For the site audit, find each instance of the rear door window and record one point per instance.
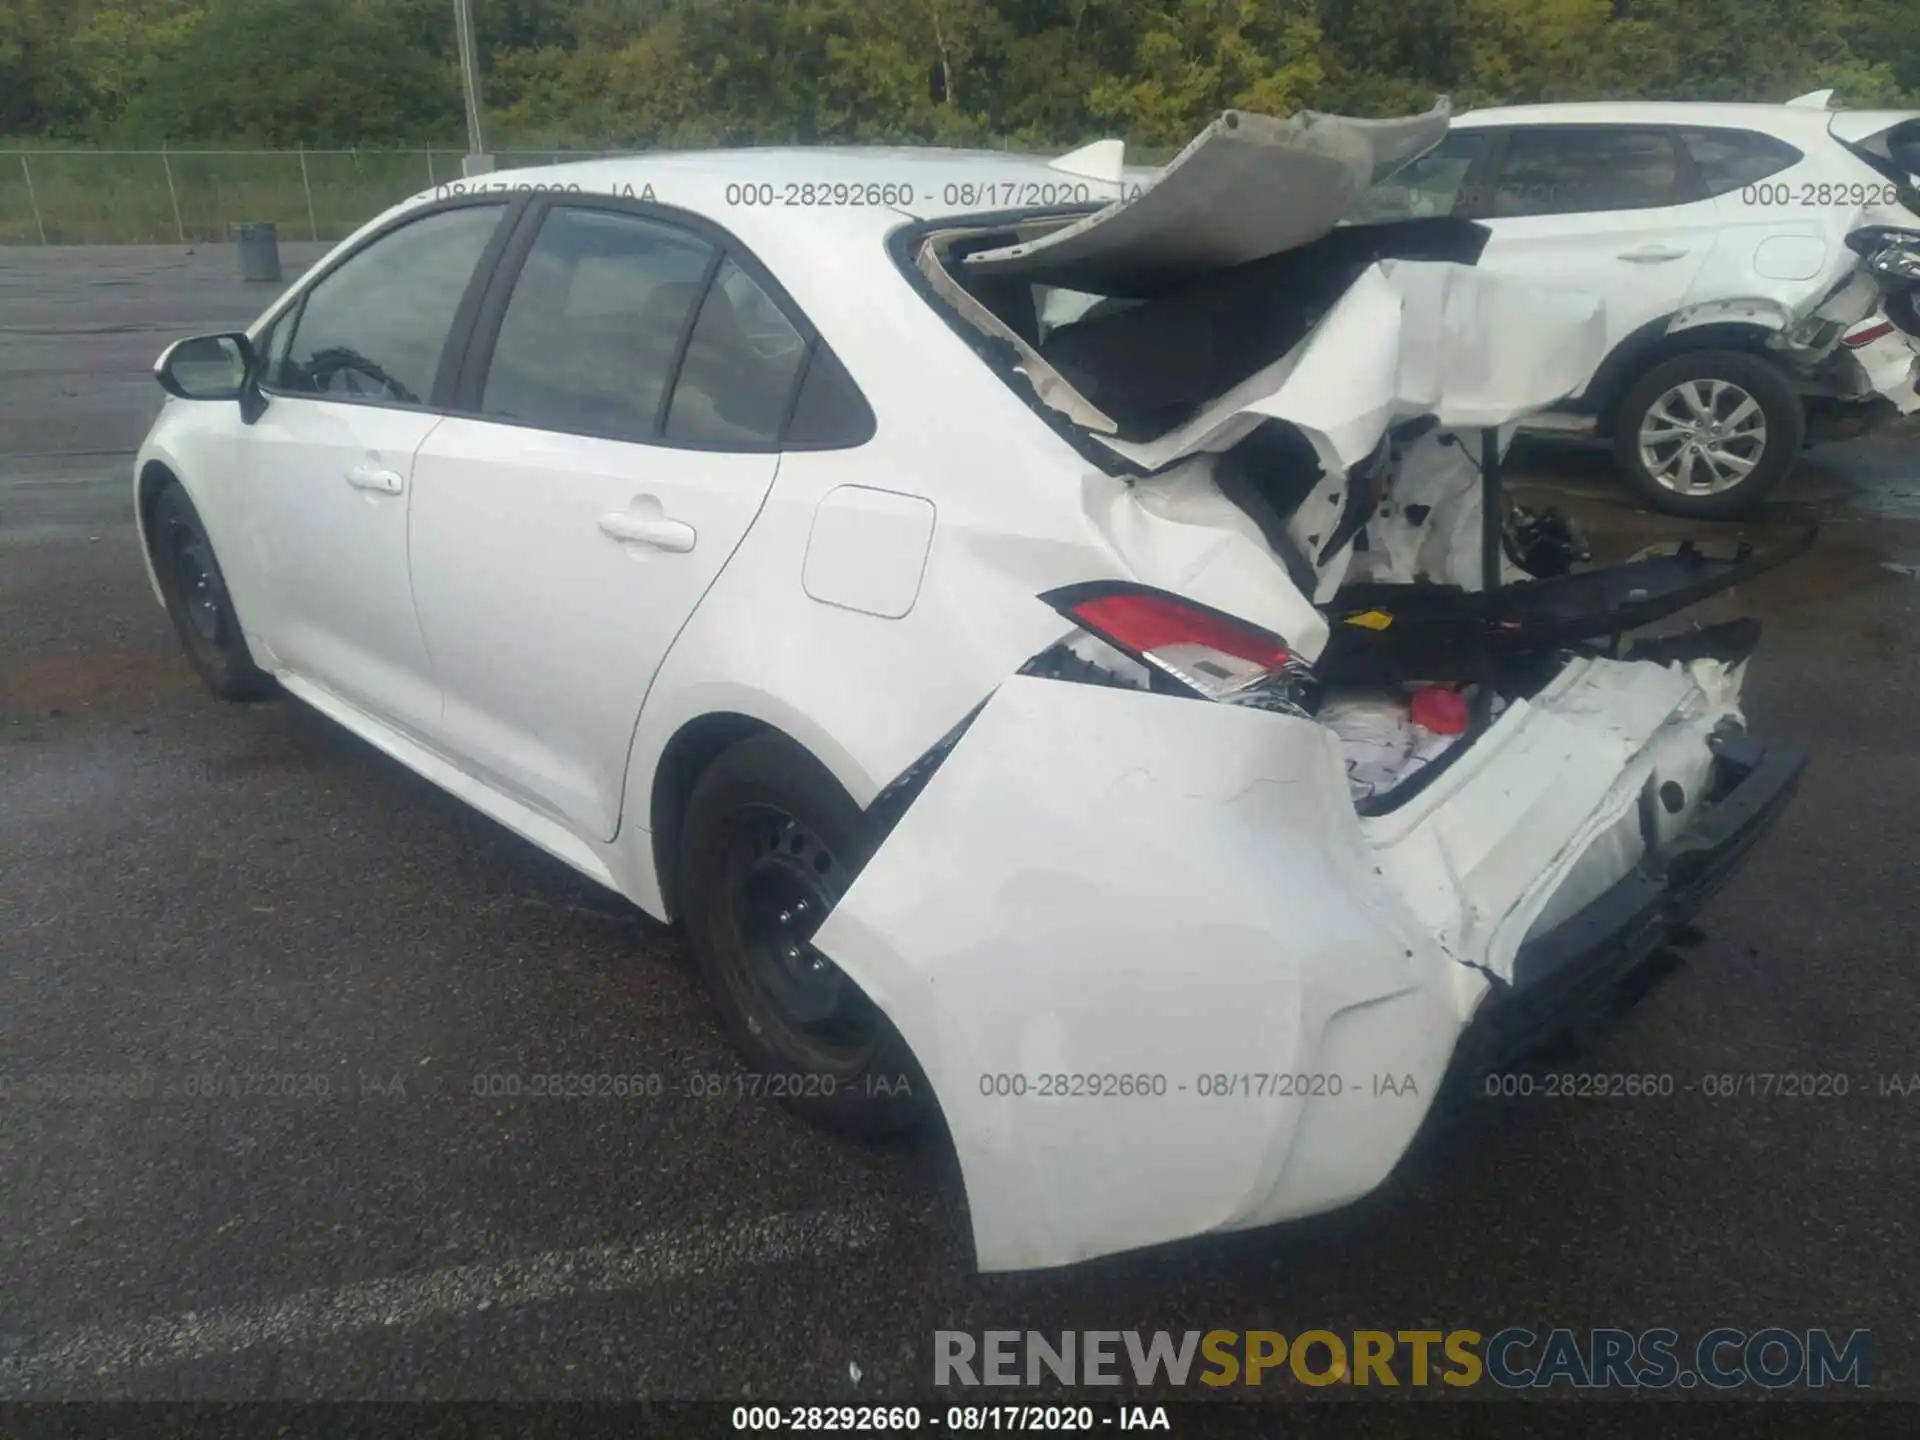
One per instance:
(1431, 185)
(598, 317)
(1728, 160)
(1580, 170)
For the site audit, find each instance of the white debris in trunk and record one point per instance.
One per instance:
(1383, 745)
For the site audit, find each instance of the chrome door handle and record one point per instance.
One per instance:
(372, 477)
(1652, 254)
(654, 530)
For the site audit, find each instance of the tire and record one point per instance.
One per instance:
(1730, 470)
(197, 599)
(770, 843)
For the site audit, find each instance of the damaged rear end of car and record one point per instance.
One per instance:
(1343, 777)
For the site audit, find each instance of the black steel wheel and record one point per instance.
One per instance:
(197, 599)
(771, 844)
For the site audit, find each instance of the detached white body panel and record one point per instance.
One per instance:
(1102, 883)
(1103, 889)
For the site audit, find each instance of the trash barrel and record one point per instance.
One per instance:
(259, 245)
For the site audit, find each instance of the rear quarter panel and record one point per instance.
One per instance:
(868, 693)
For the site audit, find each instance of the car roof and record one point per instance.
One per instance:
(796, 213)
(703, 180)
(822, 249)
(1773, 119)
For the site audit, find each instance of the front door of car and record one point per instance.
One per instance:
(349, 379)
(1602, 208)
(622, 410)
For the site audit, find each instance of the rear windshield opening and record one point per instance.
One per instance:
(1136, 367)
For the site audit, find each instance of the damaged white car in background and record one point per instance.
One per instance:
(1041, 654)
(1722, 240)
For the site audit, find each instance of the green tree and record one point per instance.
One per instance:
(1046, 72)
(41, 90)
(1198, 57)
(281, 72)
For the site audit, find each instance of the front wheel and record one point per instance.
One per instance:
(197, 599)
(771, 843)
(1708, 434)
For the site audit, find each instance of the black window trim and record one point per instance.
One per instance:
(490, 308)
(708, 279)
(1687, 186)
(292, 307)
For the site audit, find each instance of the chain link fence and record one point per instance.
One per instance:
(123, 197)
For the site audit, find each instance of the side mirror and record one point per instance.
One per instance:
(206, 367)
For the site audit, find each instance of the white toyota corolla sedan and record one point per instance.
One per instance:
(1027, 622)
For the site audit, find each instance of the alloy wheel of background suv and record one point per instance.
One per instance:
(1707, 434)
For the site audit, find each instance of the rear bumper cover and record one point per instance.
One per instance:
(1576, 971)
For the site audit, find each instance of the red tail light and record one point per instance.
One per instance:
(1867, 334)
(1204, 651)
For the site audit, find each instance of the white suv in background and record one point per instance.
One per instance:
(1739, 325)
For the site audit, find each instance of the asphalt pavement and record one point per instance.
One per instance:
(254, 977)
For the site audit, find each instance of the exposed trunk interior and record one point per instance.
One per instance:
(1151, 362)
(1443, 604)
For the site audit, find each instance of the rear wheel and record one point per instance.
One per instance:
(1707, 434)
(771, 843)
(197, 599)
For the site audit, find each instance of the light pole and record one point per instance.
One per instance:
(476, 160)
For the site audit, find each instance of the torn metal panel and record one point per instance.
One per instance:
(1408, 338)
(1182, 533)
(1152, 888)
(1248, 186)
(1429, 532)
(1483, 854)
(1890, 367)
(1809, 305)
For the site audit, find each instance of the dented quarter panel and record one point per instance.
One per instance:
(1788, 272)
(1102, 881)
(1181, 533)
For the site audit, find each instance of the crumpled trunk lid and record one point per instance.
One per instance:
(1246, 187)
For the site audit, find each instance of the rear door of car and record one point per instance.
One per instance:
(615, 430)
(1610, 209)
